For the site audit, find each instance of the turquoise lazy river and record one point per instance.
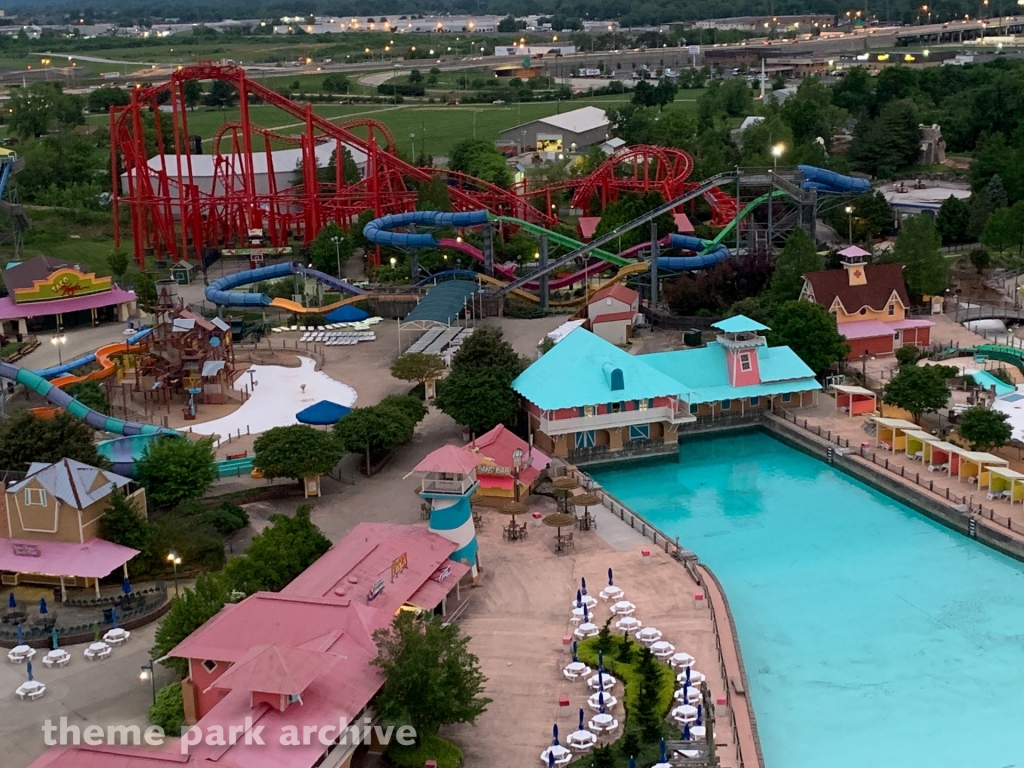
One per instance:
(870, 634)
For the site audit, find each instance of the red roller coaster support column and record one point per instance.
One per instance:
(176, 90)
(253, 216)
(115, 180)
(309, 177)
(191, 215)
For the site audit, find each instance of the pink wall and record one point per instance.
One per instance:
(203, 680)
(737, 376)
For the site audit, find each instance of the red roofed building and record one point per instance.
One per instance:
(496, 468)
(611, 311)
(296, 660)
(869, 302)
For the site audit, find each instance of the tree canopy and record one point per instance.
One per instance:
(797, 257)
(984, 428)
(431, 678)
(417, 366)
(480, 158)
(917, 248)
(296, 451)
(42, 107)
(174, 469)
(327, 255)
(809, 330)
(920, 389)
(25, 438)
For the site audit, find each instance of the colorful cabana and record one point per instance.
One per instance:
(915, 443)
(892, 432)
(975, 466)
(855, 400)
(941, 456)
(1005, 483)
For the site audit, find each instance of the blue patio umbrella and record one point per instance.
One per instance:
(554, 735)
(686, 732)
(29, 670)
(21, 636)
(600, 660)
(686, 692)
(53, 638)
(574, 647)
(687, 675)
(632, 762)
(600, 702)
(113, 616)
(579, 599)
(126, 586)
(581, 719)
(42, 605)
(583, 585)
(551, 759)
(11, 602)
(611, 583)
(600, 680)
(586, 614)
(663, 758)
(700, 719)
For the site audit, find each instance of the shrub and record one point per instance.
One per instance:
(907, 355)
(630, 676)
(169, 710)
(447, 754)
(225, 519)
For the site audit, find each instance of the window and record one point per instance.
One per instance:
(639, 432)
(745, 364)
(892, 309)
(787, 396)
(726, 405)
(694, 408)
(588, 410)
(209, 665)
(615, 407)
(585, 439)
(35, 497)
(755, 400)
(642, 404)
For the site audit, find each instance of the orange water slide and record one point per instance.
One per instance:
(107, 366)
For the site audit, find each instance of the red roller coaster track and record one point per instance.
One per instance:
(175, 211)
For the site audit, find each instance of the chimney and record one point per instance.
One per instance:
(854, 264)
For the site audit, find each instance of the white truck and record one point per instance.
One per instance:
(589, 72)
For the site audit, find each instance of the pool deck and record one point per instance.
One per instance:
(519, 614)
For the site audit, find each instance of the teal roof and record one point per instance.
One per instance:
(739, 324)
(579, 370)
(444, 303)
(704, 377)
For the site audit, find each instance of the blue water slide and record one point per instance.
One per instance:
(219, 291)
(450, 274)
(5, 175)
(708, 253)
(59, 370)
(829, 181)
(329, 280)
(379, 230)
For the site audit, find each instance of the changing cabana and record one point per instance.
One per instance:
(1005, 483)
(892, 433)
(915, 444)
(941, 456)
(855, 400)
(975, 466)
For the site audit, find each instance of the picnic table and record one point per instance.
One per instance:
(623, 608)
(575, 670)
(601, 699)
(116, 636)
(32, 689)
(628, 624)
(582, 741)
(681, 660)
(611, 592)
(97, 651)
(583, 631)
(606, 680)
(603, 723)
(684, 714)
(57, 656)
(562, 755)
(688, 695)
(20, 653)
(662, 649)
(648, 636)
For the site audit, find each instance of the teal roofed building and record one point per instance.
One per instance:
(586, 397)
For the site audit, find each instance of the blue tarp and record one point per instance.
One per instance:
(346, 314)
(324, 412)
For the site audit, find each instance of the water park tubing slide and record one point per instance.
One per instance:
(219, 291)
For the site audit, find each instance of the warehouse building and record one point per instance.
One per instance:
(574, 131)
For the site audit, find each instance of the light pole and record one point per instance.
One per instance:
(777, 151)
(148, 673)
(58, 342)
(849, 216)
(412, 141)
(174, 559)
(337, 252)
(517, 464)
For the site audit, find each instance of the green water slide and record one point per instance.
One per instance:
(561, 239)
(1000, 352)
(747, 210)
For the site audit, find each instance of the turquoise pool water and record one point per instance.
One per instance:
(871, 635)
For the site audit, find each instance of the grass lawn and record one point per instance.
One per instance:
(85, 238)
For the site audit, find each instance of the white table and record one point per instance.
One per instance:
(594, 702)
(582, 741)
(689, 754)
(698, 732)
(648, 636)
(662, 649)
(584, 631)
(562, 755)
(116, 636)
(575, 670)
(97, 651)
(623, 608)
(588, 600)
(578, 615)
(628, 624)
(607, 680)
(693, 696)
(611, 592)
(602, 722)
(33, 689)
(684, 714)
(681, 660)
(696, 678)
(20, 653)
(58, 656)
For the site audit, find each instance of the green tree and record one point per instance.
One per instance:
(327, 255)
(174, 469)
(296, 451)
(222, 94)
(433, 195)
(168, 712)
(431, 678)
(193, 94)
(374, 431)
(810, 331)
(90, 394)
(277, 555)
(480, 158)
(42, 107)
(917, 248)
(984, 428)
(798, 257)
(409, 406)
(118, 262)
(102, 99)
(919, 389)
(508, 24)
(996, 192)
(415, 76)
(123, 524)
(145, 291)
(888, 144)
(908, 354)
(810, 113)
(25, 438)
(189, 611)
(953, 220)
(335, 83)
(418, 367)
(980, 259)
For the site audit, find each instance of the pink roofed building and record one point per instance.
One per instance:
(298, 661)
(496, 470)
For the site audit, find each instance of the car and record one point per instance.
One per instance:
(498, 101)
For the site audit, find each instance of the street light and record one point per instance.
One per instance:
(412, 141)
(517, 464)
(58, 342)
(148, 673)
(849, 215)
(777, 151)
(337, 250)
(174, 559)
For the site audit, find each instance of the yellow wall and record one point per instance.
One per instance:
(842, 316)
